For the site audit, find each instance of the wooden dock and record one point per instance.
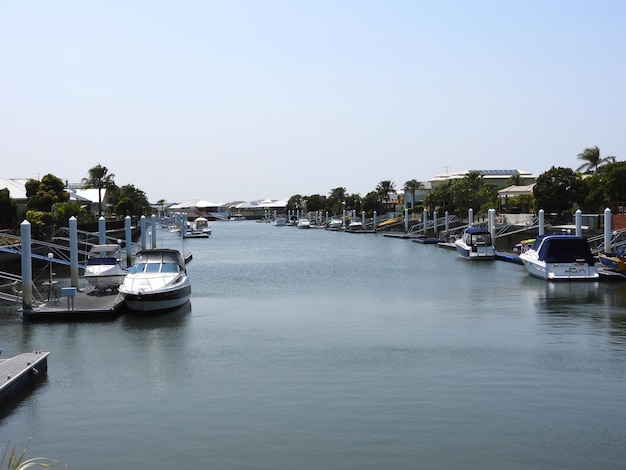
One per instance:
(19, 371)
(85, 305)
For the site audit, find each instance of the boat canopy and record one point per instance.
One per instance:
(563, 249)
(161, 256)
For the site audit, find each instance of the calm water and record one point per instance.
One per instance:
(314, 349)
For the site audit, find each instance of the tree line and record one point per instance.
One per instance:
(599, 182)
(48, 201)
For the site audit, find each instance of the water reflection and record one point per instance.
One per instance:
(597, 306)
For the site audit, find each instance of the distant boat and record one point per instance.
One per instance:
(280, 222)
(335, 224)
(613, 261)
(198, 228)
(355, 226)
(156, 282)
(475, 244)
(104, 269)
(303, 223)
(238, 217)
(560, 258)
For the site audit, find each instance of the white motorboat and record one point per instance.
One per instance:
(157, 281)
(560, 258)
(104, 267)
(475, 244)
(303, 223)
(199, 228)
(355, 226)
(280, 221)
(335, 224)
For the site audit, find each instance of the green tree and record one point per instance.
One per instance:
(440, 198)
(295, 203)
(132, 201)
(43, 195)
(8, 210)
(371, 203)
(515, 180)
(65, 210)
(315, 202)
(412, 186)
(465, 193)
(384, 190)
(99, 178)
(336, 200)
(592, 159)
(558, 190)
(614, 182)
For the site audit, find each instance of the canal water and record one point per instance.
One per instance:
(312, 349)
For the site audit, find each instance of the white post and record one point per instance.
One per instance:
(102, 230)
(27, 267)
(470, 217)
(491, 222)
(447, 221)
(607, 230)
(435, 223)
(153, 230)
(424, 220)
(73, 251)
(579, 223)
(143, 232)
(375, 221)
(129, 241)
(541, 222)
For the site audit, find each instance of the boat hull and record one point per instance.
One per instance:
(102, 282)
(154, 302)
(560, 258)
(475, 253)
(561, 271)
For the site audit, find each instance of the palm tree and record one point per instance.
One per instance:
(383, 190)
(99, 178)
(592, 159)
(412, 186)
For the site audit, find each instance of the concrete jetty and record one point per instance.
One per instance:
(18, 371)
(76, 305)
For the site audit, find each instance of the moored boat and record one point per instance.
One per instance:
(104, 269)
(303, 223)
(560, 258)
(157, 281)
(475, 244)
(613, 261)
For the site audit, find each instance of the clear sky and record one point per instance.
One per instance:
(244, 100)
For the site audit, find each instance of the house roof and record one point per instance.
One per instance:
(16, 187)
(516, 190)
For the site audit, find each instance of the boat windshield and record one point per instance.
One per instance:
(137, 268)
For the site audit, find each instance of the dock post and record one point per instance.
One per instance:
(102, 230)
(491, 222)
(579, 223)
(470, 217)
(73, 251)
(607, 230)
(363, 219)
(143, 232)
(344, 217)
(153, 230)
(447, 221)
(129, 241)
(435, 224)
(27, 267)
(424, 220)
(541, 221)
(375, 221)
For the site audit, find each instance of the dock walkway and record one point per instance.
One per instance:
(18, 371)
(87, 305)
